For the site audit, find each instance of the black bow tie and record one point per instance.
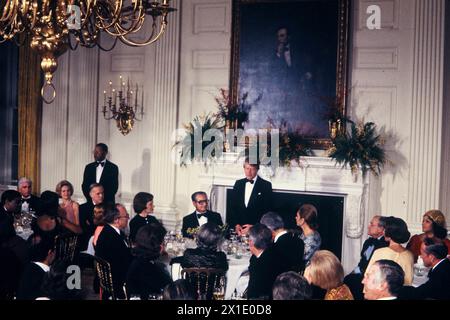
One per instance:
(100, 163)
(199, 215)
(26, 200)
(250, 180)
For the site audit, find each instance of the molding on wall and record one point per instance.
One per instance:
(427, 109)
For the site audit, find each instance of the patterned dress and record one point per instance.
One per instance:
(340, 293)
(312, 244)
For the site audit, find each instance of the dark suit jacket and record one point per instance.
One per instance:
(364, 262)
(437, 287)
(33, 202)
(191, 221)
(260, 202)
(290, 248)
(86, 216)
(263, 272)
(111, 247)
(30, 284)
(146, 277)
(109, 180)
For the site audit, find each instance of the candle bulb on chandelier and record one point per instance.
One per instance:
(110, 87)
(104, 98)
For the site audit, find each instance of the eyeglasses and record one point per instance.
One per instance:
(126, 217)
(202, 201)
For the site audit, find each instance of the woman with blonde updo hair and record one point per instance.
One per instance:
(326, 271)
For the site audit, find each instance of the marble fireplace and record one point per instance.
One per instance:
(314, 176)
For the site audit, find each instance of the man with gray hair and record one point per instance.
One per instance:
(383, 280)
(112, 245)
(376, 240)
(28, 201)
(287, 245)
(263, 268)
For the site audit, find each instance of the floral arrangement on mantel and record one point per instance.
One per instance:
(292, 145)
(203, 123)
(360, 148)
(234, 114)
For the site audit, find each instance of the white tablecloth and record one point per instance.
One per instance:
(235, 268)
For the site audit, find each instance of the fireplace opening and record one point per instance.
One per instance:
(330, 209)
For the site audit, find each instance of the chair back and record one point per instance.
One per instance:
(203, 281)
(103, 269)
(66, 247)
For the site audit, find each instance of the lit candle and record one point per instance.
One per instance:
(110, 87)
(104, 98)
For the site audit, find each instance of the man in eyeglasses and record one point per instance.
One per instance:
(103, 172)
(201, 215)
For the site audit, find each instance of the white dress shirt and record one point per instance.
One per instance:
(43, 266)
(248, 190)
(99, 171)
(279, 235)
(203, 219)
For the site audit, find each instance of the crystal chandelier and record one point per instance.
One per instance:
(122, 105)
(57, 25)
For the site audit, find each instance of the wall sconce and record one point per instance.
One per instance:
(122, 105)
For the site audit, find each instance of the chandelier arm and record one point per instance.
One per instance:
(9, 10)
(135, 26)
(106, 50)
(69, 42)
(116, 15)
(148, 41)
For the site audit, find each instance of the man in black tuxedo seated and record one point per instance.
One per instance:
(264, 267)
(103, 172)
(10, 204)
(374, 242)
(29, 202)
(251, 198)
(87, 214)
(42, 256)
(112, 246)
(383, 280)
(201, 215)
(434, 255)
(287, 245)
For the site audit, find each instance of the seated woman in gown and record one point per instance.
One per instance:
(147, 276)
(396, 233)
(326, 271)
(206, 255)
(432, 220)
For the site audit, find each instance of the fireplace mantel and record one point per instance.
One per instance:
(313, 175)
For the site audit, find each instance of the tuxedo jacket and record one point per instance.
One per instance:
(109, 180)
(33, 202)
(30, 284)
(111, 246)
(191, 221)
(260, 202)
(290, 248)
(364, 262)
(437, 287)
(263, 272)
(86, 216)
